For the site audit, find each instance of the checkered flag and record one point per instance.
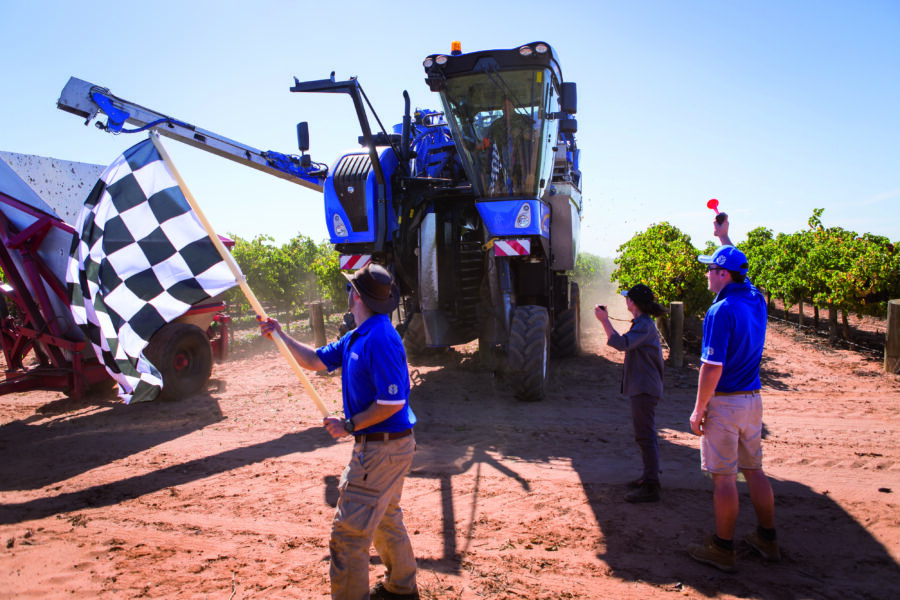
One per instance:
(496, 168)
(140, 258)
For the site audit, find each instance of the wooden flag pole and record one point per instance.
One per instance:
(236, 271)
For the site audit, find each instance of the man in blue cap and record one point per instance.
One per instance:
(728, 411)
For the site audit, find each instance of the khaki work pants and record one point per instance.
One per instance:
(368, 511)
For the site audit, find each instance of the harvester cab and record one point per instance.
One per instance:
(500, 109)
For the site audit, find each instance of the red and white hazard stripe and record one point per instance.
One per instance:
(512, 247)
(350, 262)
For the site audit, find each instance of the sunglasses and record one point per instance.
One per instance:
(349, 287)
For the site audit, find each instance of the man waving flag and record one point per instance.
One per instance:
(140, 258)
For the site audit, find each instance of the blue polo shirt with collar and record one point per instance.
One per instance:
(734, 333)
(373, 369)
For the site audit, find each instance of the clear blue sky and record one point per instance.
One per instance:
(773, 107)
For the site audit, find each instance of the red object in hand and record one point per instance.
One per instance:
(713, 204)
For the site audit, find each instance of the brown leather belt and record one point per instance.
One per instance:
(747, 393)
(383, 437)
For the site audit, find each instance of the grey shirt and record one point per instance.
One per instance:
(643, 358)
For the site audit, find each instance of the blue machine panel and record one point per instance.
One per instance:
(351, 193)
(500, 216)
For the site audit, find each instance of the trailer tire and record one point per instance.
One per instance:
(528, 349)
(182, 355)
(567, 330)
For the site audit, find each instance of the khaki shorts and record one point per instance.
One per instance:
(732, 434)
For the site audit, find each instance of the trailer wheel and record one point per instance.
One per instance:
(183, 356)
(528, 345)
(567, 330)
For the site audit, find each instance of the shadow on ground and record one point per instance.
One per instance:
(40, 452)
(641, 542)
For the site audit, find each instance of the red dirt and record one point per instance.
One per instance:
(229, 494)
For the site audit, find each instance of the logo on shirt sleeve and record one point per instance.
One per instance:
(711, 351)
(392, 389)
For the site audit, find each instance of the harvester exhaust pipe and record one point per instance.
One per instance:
(404, 139)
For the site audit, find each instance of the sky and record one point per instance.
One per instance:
(773, 107)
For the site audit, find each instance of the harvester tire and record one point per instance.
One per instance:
(528, 349)
(182, 355)
(566, 337)
(414, 337)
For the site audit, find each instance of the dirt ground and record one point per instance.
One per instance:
(229, 494)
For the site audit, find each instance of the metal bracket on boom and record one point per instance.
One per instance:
(116, 118)
(352, 88)
(87, 100)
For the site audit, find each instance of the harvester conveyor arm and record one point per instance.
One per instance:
(87, 100)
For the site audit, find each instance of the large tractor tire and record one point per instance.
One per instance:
(183, 356)
(566, 337)
(528, 349)
(414, 337)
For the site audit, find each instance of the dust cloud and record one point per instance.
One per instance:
(596, 288)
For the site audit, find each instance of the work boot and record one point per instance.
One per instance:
(379, 592)
(647, 491)
(768, 549)
(710, 553)
(636, 483)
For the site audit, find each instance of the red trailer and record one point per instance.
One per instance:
(42, 345)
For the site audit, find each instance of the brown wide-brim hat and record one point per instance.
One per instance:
(376, 287)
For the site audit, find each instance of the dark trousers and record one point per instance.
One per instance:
(643, 416)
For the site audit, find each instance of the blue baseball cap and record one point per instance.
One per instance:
(728, 258)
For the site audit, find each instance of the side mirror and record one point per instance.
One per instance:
(568, 98)
(568, 126)
(303, 136)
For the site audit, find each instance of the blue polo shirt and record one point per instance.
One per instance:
(734, 332)
(373, 369)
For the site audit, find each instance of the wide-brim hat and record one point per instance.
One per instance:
(376, 288)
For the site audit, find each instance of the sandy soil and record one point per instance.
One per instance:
(229, 494)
